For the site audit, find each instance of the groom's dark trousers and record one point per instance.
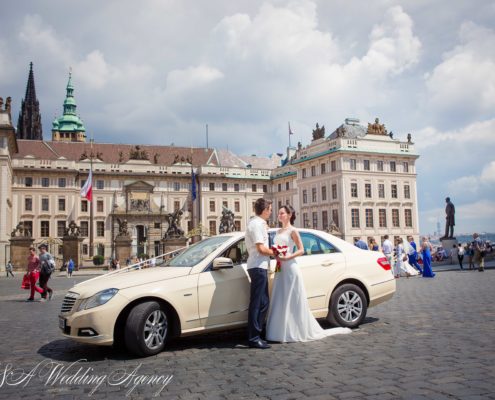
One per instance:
(258, 303)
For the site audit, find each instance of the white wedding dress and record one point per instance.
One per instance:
(289, 317)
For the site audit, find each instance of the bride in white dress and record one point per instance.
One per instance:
(289, 317)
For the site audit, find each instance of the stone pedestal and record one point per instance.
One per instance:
(171, 244)
(123, 248)
(72, 249)
(19, 251)
(448, 245)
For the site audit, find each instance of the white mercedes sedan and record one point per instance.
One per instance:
(206, 288)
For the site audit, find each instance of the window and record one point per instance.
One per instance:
(324, 219)
(304, 173)
(237, 225)
(354, 190)
(84, 228)
(225, 204)
(408, 217)
(237, 253)
(61, 204)
(393, 167)
(45, 228)
(315, 220)
(287, 185)
(224, 187)
(279, 187)
(355, 217)
(45, 204)
(45, 182)
(212, 186)
(367, 190)
(333, 166)
(313, 195)
(100, 184)
(353, 164)
(395, 217)
(407, 192)
(212, 205)
(369, 218)
(62, 182)
(254, 188)
(405, 166)
(176, 205)
(157, 225)
(305, 196)
(305, 220)
(99, 206)
(323, 193)
(28, 181)
(323, 168)
(382, 217)
(213, 228)
(334, 191)
(313, 171)
(315, 245)
(394, 191)
(379, 165)
(265, 188)
(381, 190)
(28, 204)
(237, 206)
(335, 217)
(85, 249)
(60, 228)
(100, 228)
(83, 182)
(84, 206)
(236, 187)
(366, 165)
(176, 186)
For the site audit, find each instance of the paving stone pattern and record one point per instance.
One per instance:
(433, 340)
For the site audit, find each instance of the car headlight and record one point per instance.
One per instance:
(97, 299)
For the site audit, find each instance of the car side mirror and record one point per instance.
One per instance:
(222, 263)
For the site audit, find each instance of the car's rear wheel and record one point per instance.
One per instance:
(347, 306)
(146, 329)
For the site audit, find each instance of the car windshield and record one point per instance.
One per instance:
(197, 252)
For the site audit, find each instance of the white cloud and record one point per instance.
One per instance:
(93, 70)
(488, 173)
(188, 79)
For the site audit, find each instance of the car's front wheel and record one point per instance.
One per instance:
(347, 306)
(146, 329)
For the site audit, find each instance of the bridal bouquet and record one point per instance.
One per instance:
(279, 250)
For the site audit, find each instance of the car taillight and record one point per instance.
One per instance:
(383, 262)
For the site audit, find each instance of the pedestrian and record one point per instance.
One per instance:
(400, 258)
(460, 255)
(358, 242)
(479, 252)
(413, 254)
(128, 261)
(8, 268)
(47, 266)
(470, 254)
(153, 261)
(257, 267)
(33, 271)
(426, 249)
(387, 249)
(373, 245)
(117, 264)
(70, 267)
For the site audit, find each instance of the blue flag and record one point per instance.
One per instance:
(193, 185)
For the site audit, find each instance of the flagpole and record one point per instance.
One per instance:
(91, 250)
(290, 133)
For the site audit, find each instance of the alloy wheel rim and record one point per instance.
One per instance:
(350, 306)
(155, 329)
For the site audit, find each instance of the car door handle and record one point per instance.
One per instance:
(327, 263)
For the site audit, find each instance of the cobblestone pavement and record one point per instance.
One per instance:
(433, 340)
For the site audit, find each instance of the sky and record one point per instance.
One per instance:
(158, 71)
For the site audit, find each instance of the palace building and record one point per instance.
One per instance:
(357, 181)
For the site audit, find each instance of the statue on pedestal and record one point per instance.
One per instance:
(449, 220)
(227, 221)
(72, 230)
(123, 230)
(20, 231)
(174, 230)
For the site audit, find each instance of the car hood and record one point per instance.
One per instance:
(125, 279)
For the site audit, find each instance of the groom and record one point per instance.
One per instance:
(257, 267)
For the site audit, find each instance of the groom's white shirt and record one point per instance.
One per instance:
(256, 232)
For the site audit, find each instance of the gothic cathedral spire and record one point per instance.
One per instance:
(29, 123)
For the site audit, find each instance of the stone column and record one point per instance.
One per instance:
(123, 248)
(448, 245)
(171, 244)
(72, 248)
(19, 251)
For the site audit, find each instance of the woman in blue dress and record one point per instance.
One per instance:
(426, 250)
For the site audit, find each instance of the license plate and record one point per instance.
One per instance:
(61, 323)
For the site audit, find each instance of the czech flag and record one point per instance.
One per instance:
(87, 189)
